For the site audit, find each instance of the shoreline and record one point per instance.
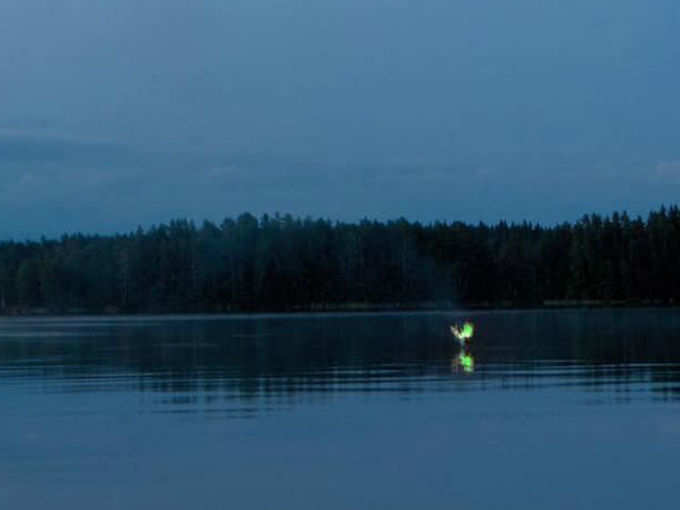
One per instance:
(352, 308)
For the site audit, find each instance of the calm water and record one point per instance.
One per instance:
(566, 409)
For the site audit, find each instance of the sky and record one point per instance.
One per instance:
(134, 112)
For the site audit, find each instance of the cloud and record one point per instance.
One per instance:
(26, 147)
(668, 171)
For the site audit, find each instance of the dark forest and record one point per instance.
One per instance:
(281, 263)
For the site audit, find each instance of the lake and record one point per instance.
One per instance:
(562, 409)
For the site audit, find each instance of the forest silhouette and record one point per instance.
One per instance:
(282, 263)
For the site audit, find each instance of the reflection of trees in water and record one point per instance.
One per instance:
(288, 359)
(250, 357)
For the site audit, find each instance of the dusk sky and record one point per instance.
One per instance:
(120, 113)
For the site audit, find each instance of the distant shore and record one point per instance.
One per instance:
(355, 307)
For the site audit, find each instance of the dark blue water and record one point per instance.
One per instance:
(564, 409)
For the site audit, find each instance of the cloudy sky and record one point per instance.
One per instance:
(114, 114)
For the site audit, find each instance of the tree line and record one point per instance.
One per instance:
(278, 263)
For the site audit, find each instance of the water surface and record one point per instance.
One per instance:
(564, 409)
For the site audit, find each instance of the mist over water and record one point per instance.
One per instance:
(175, 410)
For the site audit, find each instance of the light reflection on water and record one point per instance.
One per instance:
(265, 359)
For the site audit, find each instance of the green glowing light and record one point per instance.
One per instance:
(466, 361)
(463, 333)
